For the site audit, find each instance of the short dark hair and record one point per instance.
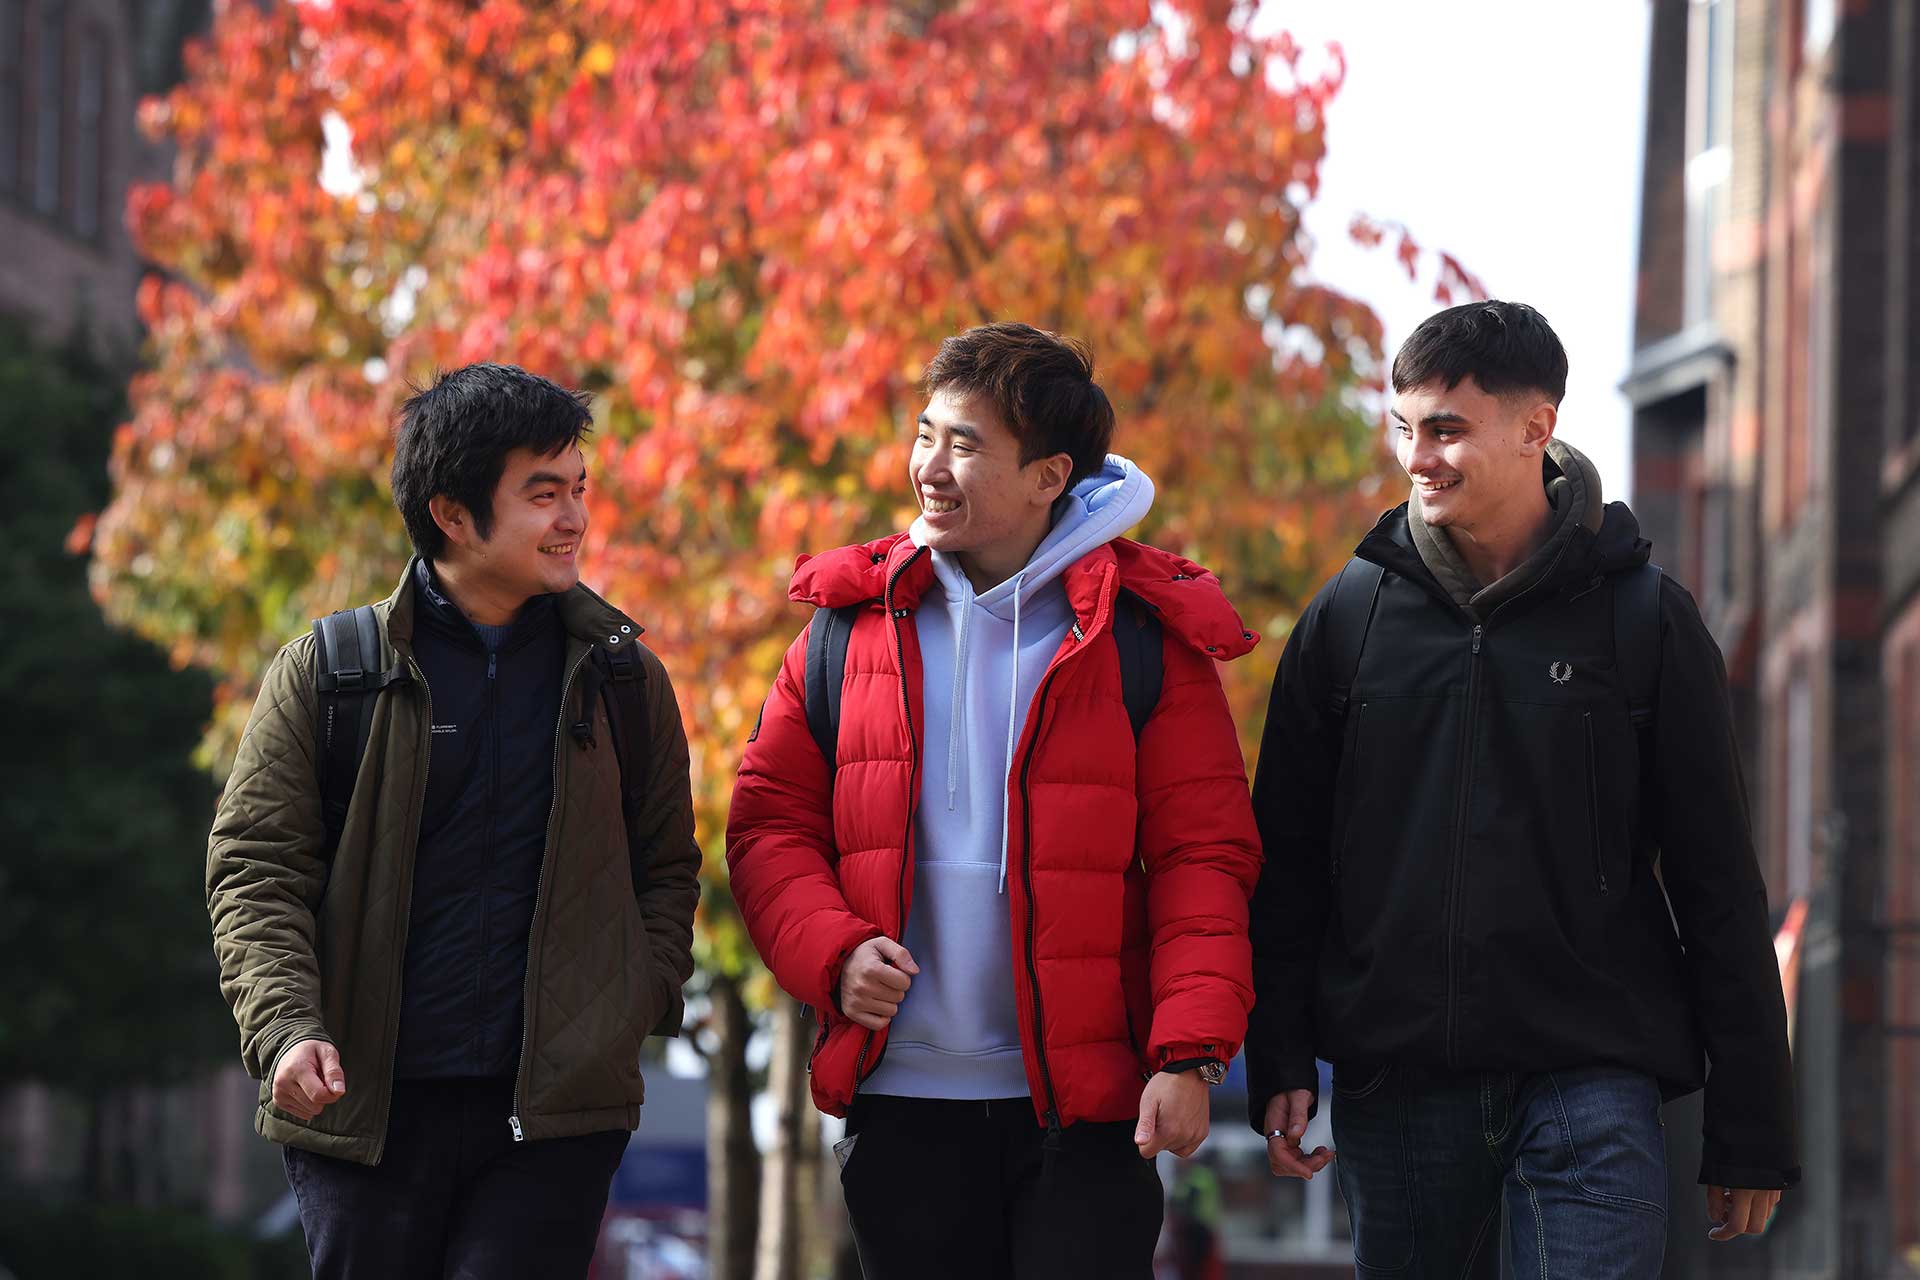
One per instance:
(1504, 346)
(1041, 384)
(455, 436)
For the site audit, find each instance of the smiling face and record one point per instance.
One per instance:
(532, 546)
(977, 500)
(1474, 458)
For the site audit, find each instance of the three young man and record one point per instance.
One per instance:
(444, 988)
(1494, 740)
(993, 826)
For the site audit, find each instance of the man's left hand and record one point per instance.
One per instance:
(1735, 1211)
(1173, 1114)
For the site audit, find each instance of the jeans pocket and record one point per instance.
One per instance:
(1615, 1144)
(1359, 1084)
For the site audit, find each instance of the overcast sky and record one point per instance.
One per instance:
(1507, 132)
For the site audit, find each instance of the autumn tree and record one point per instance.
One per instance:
(744, 224)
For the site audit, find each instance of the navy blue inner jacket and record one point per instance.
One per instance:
(482, 833)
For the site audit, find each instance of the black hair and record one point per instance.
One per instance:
(1506, 347)
(1041, 384)
(455, 436)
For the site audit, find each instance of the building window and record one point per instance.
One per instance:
(13, 43)
(49, 98)
(1709, 146)
(89, 142)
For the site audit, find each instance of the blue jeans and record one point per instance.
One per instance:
(1427, 1159)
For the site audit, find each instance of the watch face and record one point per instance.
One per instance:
(1214, 1072)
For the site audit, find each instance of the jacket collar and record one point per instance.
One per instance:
(583, 614)
(1587, 555)
(1189, 599)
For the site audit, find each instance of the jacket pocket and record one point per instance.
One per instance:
(1593, 803)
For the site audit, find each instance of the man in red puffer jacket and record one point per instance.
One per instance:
(1021, 920)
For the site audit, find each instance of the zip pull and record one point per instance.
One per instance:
(1052, 1142)
(1478, 629)
(492, 662)
(513, 1122)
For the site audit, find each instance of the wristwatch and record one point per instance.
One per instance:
(1210, 1070)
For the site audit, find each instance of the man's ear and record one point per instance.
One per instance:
(1050, 478)
(1539, 426)
(455, 521)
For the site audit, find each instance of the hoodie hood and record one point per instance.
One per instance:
(1574, 503)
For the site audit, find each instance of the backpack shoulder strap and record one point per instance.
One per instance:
(349, 676)
(1636, 639)
(1136, 633)
(826, 673)
(1356, 592)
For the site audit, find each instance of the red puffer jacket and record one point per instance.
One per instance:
(1129, 869)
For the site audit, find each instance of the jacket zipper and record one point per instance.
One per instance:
(1460, 833)
(539, 894)
(1033, 912)
(1457, 870)
(1593, 802)
(1038, 716)
(913, 799)
(493, 805)
(406, 908)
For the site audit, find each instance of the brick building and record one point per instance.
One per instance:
(71, 75)
(1777, 470)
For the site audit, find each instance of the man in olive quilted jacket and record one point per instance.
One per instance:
(444, 987)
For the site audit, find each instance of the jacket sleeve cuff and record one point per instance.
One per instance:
(1740, 1177)
(1185, 1050)
(827, 994)
(280, 1037)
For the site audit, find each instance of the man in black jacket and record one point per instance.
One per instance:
(1499, 746)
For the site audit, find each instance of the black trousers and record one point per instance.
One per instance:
(455, 1197)
(937, 1188)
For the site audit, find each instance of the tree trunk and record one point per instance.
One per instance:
(733, 1162)
(789, 1194)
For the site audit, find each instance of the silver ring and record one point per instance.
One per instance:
(1277, 1133)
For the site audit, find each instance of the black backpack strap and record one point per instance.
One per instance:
(1136, 633)
(350, 674)
(826, 674)
(1636, 639)
(1356, 592)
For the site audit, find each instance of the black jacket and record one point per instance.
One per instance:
(483, 829)
(1461, 870)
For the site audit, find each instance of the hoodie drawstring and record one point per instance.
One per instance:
(956, 708)
(1013, 724)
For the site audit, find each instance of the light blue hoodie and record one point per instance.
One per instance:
(957, 1034)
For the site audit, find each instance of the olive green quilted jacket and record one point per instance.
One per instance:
(312, 948)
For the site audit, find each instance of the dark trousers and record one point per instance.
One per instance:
(937, 1188)
(1428, 1160)
(455, 1197)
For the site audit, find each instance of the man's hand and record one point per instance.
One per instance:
(1736, 1211)
(874, 981)
(1286, 1126)
(308, 1078)
(1173, 1114)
